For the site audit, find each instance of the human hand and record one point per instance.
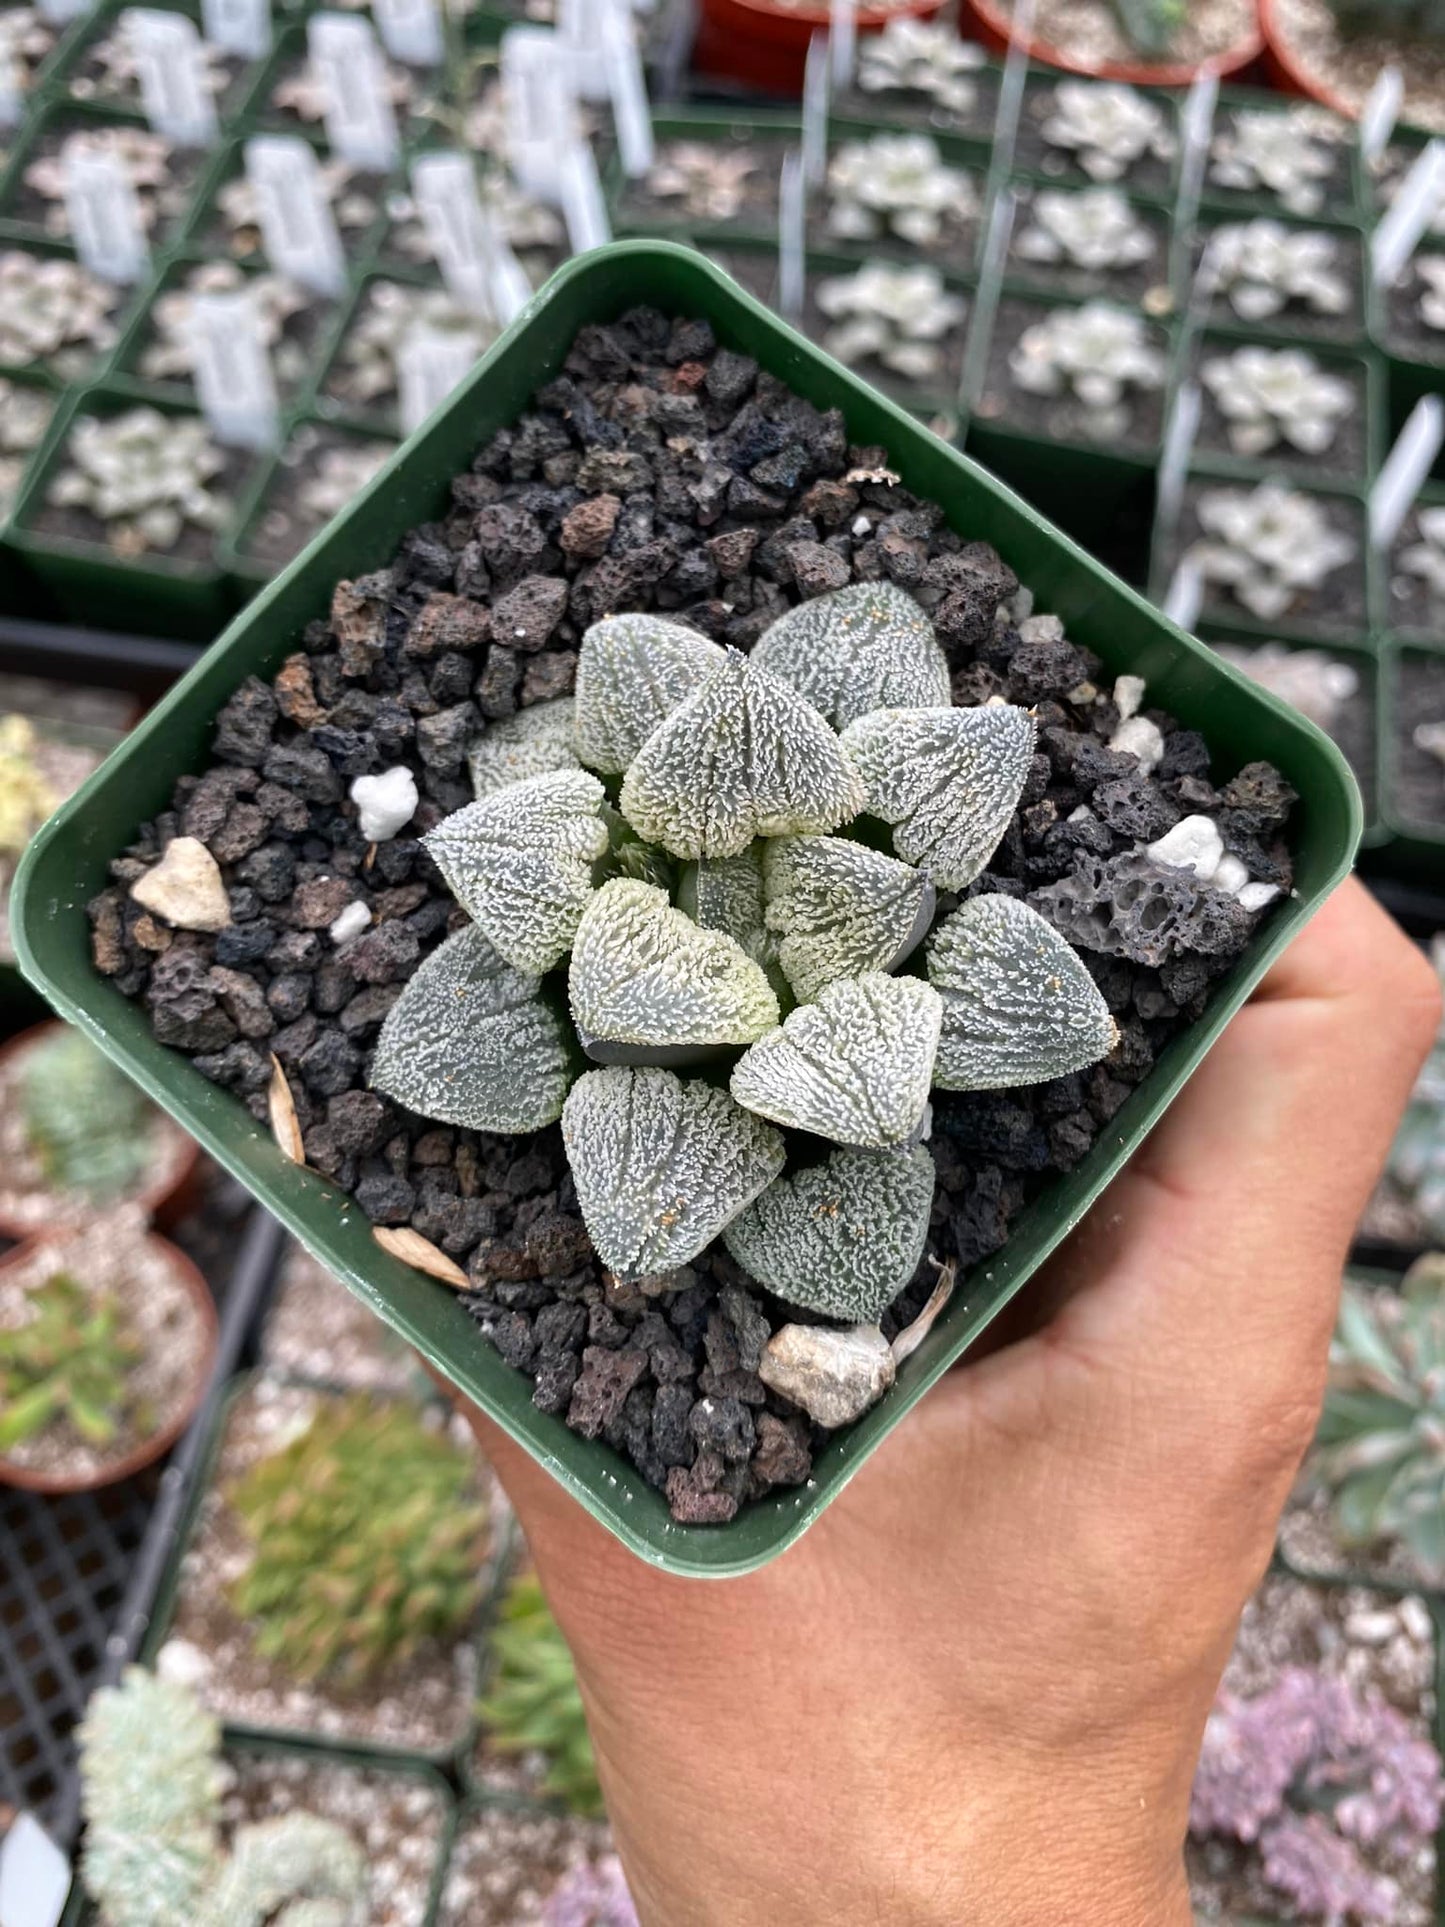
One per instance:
(974, 1693)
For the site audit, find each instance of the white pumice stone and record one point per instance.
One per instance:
(1041, 629)
(1128, 696)
(661, 1165)
(534, 742)
(520, 862)
(471, 1041)
(1142, 739)
(385, 803)
(632, 672)
(834, 1375)
(1194, 844)
(1230, 875)
(185, 888)
(865, 647)
(350, 923)
(1256, 896)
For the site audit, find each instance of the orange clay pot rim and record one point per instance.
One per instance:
(152, 1197)
(870, 18)
(1134, 73)
(1288, 62)
(152, 1448)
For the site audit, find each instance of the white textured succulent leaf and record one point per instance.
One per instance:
(632, 672)
(471, 1041)
(647, 985)
(661, 1165)
(745, 756)
(726, 893)
(843, 1237)
(520, 862)
(948, 780)
(534, 742)
(868, 646)
(854, 1067)
(1018, 1005)
(840, 909)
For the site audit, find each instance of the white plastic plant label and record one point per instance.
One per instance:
(12, 97)
(298, 229)
(1410, 213)
(241, 27)
(540, 109)
(429, 364)
(1179, 440)
(60, 12)
(842, 42)
(627, 85)
(444, 186)
(815, 111)
(1406, 469)
(792, 260)
(1380, 113)
(350, 70)
(584, 206)
(34, 1876)
(581, 31)
(411, 30)
(1184, 598)
(234, 383)
(103, 209)
(170, 62)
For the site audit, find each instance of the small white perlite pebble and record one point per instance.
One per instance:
(1128, 696)
(185, 888)
(385, 803)
(1194, 844)
(351, 922)
(1141, 739)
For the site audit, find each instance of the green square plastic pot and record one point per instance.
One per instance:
(66, 865)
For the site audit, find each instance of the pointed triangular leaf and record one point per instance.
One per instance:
(948, 780)
(520, 862)
(661, 1165)
(865, 647)
(632, 671)
(534, 742)
(645, 977)
(1018, 1005)
(743, 757)
(854, 1067)
(841, 909)
(842, 1238)
(471, 1042)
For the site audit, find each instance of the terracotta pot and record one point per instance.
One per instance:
(159, 1443)
(765, 46)
(1285, 69)
(985, 20)
(165, 1198)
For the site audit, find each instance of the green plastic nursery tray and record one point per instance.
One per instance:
(66, 865)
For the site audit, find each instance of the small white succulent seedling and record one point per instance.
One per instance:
(922, 57)
(854, 1066)
(53, 310)
(368, 360)
(896, 184)
(1317, 685)
(535, 742)
(661, 1166)
(341, 471)
(1091, 227)
(1107, 127)
(273, 300)
(1018, 1005)
(707, 180)
(145, 475)
(1097, 354)
(1424, 558)
(1290, 153)
(838, 909)
(27, 39)
(1273, 395)
(1269, 545)
(841, 1238)
(1430, 274)
(735, 765)
(25, 414)
(1261, 266)
(144, 156)
(898, 315)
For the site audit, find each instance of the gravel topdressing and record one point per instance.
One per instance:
(657, 472)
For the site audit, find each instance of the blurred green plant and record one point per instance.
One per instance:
(1380, 1448)
(26, 799)
(70, 1364)
(533, 1704)
(1150, 26)
(1400, 19)
(85, 1121)
(369, 1536)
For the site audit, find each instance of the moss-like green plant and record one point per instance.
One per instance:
(532, 1704)
(150, 1776)
(26, 799)
(732, 880)
(368, 1537)
(1380, 1448)
(87, 1124)
(69, 1363)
